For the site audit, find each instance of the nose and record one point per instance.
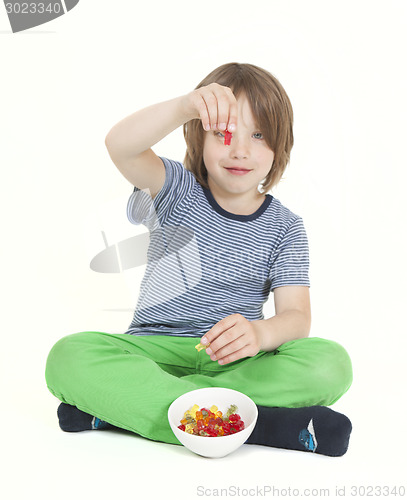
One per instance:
(239, 146)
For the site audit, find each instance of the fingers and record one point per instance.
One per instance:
(217, 107)
(230, 339)
(220, 327)
(234, 356)
(236, 348)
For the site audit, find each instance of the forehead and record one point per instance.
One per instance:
(245, 112)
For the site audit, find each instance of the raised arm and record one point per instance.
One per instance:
(129, 142)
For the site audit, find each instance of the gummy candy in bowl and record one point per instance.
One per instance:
(219, 446)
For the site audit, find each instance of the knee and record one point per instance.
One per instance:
(333, 365)
(65, 354)
(67, 345)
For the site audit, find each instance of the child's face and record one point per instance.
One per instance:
(248, 150)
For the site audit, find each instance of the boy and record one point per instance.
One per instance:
(219, 244)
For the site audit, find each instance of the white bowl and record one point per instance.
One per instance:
(213, 447)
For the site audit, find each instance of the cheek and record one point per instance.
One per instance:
(268, 163)
(211, 153)
(206, 155)
(266, 159)
(206, 151)
(269, 159)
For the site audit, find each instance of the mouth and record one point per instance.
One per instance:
(238, 170)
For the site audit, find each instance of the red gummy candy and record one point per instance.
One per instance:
(239, 425)
(228, 137)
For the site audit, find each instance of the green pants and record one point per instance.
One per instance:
(130, 381)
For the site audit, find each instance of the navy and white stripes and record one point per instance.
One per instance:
(205, 263)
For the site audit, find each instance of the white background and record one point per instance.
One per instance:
(63, 86)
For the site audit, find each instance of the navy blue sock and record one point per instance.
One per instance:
(71, 419)
(313, 428)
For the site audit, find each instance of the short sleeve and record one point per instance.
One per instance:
(290, 265)
(142, 209)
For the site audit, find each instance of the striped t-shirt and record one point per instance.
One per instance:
(205, 263)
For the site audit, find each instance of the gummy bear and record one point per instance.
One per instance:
(200, 346)
(228, 137)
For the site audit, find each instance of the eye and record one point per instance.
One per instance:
(218, 134)
(258, 135)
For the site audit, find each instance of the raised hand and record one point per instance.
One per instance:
(215, 105)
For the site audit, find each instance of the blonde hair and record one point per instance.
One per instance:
(270, 106)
